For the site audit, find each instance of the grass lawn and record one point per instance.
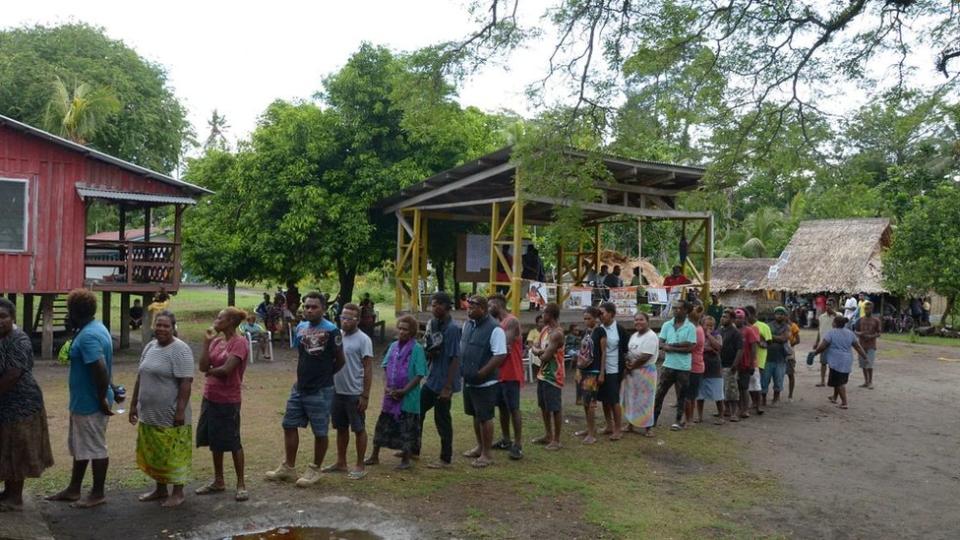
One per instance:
(923, 340)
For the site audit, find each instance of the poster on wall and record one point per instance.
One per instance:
(657, 295)
(537, 293)
(580, 298)
(478, 252)
(625, 298)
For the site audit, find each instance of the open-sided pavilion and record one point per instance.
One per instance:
(490, 190)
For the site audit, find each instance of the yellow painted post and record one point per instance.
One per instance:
(415, 264)
(515, 281)
(424, 261)
(494, 225)
(707, 259)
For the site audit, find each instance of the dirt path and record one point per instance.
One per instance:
(885, 468)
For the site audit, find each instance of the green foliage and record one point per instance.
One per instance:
(79, 113)
(149, 127)
(926, 247)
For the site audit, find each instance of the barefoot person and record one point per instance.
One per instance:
(614, 351)
(776, 367)
(24, 439)
(160, 409)
(763, 330)
(824, 325)
(697, 366)
(549, 350)
(731, 351)
(398, 426)
(352, 392)
(868, 330)
(711, 387)
(590, 363)
(678, 337)
(223, 362)
(838, 346)
(483, 347)
(443, 379)
(91, 396)
(640, 376)
(511, 379)
(747, 367)
(320, 355)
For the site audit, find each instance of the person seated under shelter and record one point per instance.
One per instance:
(136, 315)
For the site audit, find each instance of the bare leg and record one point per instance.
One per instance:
(557, 422)
(617, 422)
(72, 491)
(159, 492)
(517, 419)
(607, 420)
(218, 469)
(791, 381)
(319, 450)
(700, 410)
(869, 377)
(343, 440)
(238, 466)
(591, 424)
(361, 449)
(842, 390)
(486, 441)
(96, 496)
(823, 374)
(175, 499)
(291, 441)
(504, 414)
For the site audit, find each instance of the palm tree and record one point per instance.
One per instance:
(78, 114)
(761, 232)
(218, 127)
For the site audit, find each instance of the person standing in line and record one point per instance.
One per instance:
(352, 392)
(511, 379)
(639, 388)
(483, 348)
(824, 325)
(711, 388)
(398, 426)
(697, 366)
(160, 409)
(91, 396)
(776, 367)
(868, 330)
(550, 378)
(590, 360)
(763, 330)
(320, 355)
(746, 369)
(792, 358)
(24, 437)
(838, 346)
(223, 362)
(731, 351)
(443, 379)
(677, 339)
(614, 351)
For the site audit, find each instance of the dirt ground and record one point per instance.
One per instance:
(885, 468)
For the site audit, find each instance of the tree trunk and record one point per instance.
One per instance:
(948, 310)
(346, 275)
(231, 293)
(441, 275)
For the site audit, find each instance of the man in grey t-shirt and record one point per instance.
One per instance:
(352, 387)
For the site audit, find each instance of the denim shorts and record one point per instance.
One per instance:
(313, 409)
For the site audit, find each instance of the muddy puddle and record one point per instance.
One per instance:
(306, 533)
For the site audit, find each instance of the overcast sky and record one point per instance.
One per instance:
(239, 59)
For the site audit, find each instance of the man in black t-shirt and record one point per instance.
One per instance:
(731, 350)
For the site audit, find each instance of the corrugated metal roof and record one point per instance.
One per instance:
(93, 193)
(100, 156)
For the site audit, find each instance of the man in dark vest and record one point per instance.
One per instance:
(483, 347)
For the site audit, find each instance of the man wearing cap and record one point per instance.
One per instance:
(483, 347)
(824, 325)
(678, 337)
(776, 366)
(868, 330)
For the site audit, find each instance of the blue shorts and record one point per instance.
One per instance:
(313, 409)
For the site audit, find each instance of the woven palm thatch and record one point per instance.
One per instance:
(740, 274)
(647, 270)
(833, 255)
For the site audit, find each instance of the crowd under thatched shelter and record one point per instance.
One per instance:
(839, 256)
(742, 282)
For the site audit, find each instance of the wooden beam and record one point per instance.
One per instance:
(453, 186)
(631, 188)
(480, 202)
(125, 320)
(105, 317)
(659, 179)
(46, 339)
(614, 209)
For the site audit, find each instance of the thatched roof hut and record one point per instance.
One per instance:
(740, 274)
(834, 256)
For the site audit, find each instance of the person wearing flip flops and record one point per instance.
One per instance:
(223, 362)
(320, 354)
(614, 352)
(483, 347)
(678, 337)
(824, 325)
(837, 346)
(352, 387)
(91, 398)
(511, 379)
(550, 378)
(590, 362)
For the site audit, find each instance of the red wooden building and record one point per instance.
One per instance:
(47, 184)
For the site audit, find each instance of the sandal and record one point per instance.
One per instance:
(480, 463)
(475, 453)
(649, 434)
(333, 468)
(541, 440)
(210, 488)
(356, 475)
(241, 495)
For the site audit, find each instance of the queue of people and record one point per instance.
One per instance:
(629, 373)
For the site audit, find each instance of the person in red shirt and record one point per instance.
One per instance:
(511, 379)
(676, 278)
(748, 360)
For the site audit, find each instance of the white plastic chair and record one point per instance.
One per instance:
(528, 366)
(251, 341)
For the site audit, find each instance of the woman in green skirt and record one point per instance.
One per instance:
(161, 405)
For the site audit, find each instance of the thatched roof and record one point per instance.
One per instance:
(647, 270)
(739, 274)
(833, 255)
